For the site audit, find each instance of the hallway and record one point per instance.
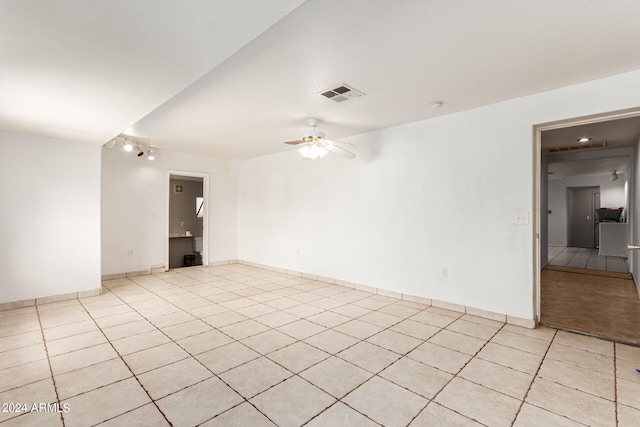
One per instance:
(604, 304)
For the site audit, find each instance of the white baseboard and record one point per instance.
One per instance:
(49, 299)
(500, 317)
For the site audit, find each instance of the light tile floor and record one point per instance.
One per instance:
(237, 346)
(586, 258)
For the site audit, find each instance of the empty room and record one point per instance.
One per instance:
(319, 213)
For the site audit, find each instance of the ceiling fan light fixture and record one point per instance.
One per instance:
(313, 150)
(313, 145)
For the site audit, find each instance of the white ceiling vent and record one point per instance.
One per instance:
(569, 148)
(341, 93)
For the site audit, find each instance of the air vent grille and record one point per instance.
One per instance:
(569, 148)
(341, 93)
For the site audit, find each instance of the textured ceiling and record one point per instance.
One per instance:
(235, 79)
(619, 133)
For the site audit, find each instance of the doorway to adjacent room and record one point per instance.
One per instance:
(187, 225)
(586, 166)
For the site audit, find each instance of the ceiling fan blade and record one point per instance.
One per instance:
(340, 151)
(294, 142)
(341, 144)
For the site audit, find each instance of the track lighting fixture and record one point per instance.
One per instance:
(129, 145)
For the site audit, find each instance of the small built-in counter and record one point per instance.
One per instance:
(613, 238)
(180, 236)
(179, 246)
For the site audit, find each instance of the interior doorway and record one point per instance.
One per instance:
(582, 205)
(187, 235)
(587, 167)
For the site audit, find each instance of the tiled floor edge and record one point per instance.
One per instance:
(125, 275)
(49, 299)
(158, 270)
(17, 304)
(513, 320)
(222, 262)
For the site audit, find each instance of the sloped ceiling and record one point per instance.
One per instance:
(234, 79)
(86, 70)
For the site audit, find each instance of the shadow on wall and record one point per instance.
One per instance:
(369, 146)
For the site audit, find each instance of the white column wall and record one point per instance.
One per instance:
(49, 217)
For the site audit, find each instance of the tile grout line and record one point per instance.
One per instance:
(329, 328)
(46, 349)
(545, 357)
(207, 368)
(176, 303)
(128, 367)
(294, 374)
(361, 340)
(533, 379)
(325, 310)
(392, 363)
(567, 386)
(456, 376)
(247, 400)
(376, 374)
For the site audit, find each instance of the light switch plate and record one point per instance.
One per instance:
(521, 218)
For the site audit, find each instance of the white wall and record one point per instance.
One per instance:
(182, 208)
(612, 195)
(49, 217)
(134, 208)
(634, 214)
(421, 196)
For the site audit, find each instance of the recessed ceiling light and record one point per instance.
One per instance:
(584, 140)
(436, 104)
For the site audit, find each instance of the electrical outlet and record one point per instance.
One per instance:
(182, 224)
(444, 273)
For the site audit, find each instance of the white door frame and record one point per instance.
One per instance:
(205, 215)
(537, 176)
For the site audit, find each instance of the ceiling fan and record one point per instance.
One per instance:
(313, 144)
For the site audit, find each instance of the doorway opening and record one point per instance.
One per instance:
(186, 219)
(584, 217)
